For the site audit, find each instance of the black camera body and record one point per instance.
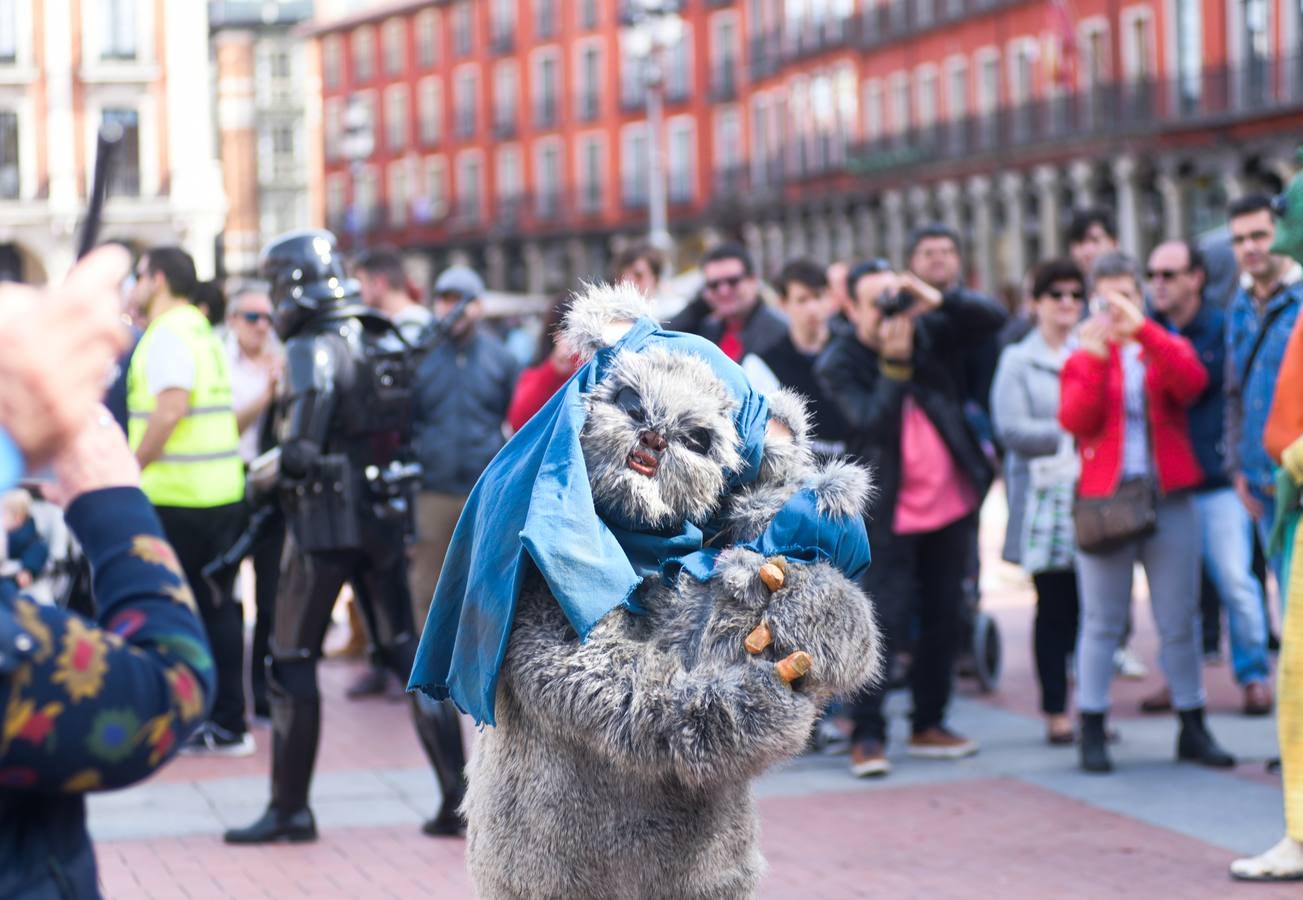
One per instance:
(891, 305)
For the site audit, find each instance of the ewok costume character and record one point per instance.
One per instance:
(681, 600)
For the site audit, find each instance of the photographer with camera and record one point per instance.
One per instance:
(892, 382)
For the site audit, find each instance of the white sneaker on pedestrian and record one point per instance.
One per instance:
(1128, 665)
(1283, 862)
(213, 740)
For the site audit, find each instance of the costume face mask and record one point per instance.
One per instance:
(659, 440)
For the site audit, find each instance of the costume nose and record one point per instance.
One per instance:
(652, 441)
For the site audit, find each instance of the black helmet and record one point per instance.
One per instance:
(306, 275)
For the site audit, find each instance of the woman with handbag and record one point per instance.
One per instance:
(1040, 477)
(1124, 397)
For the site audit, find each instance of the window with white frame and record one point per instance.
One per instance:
(591, 171)
(394, 42)
(509, 176)
(925, 88)
(588, 100)
(336, 199)
(728, 140)
(547, 178)
(396, 116)
(278, 152)
(682, 159)
(544, 18)
(427, 38)
(429, 101)
(332, 60)
(634, 162)
(899, 103)
(332, 127)
(466, 88)
(874, 125)
(588, 14)
(126, 176)
(364, 54)
(1138, 44)
(1189, 48)
(434, 201)
(1022, 67)
(463, 28)
(988, 83)
(633, 84)
(1095, 55)
(398, 194)
(10, 173)
(956, 89)
(119, 30)
(761, 152)
(723, 53)
(847, 102)
(367, 197)
(546, 87)
(677, 62)
(506, 96)
(502, 23)
(8, 31)
(470, 188)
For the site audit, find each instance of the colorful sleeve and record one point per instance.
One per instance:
(95, 706)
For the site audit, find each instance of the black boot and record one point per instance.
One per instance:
(439, 729)
(1196, 743)
(296, 828)
(448, 821)
(1094, 743)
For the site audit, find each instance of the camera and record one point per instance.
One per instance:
(890, 304)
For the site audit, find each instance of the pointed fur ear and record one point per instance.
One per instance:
(789, 407)
(843, 488)
(595, 312)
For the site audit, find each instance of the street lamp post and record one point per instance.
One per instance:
(651, 27)
(357, 146)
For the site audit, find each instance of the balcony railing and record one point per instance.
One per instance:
(723, 82)
(503, 41)
(545, 113)
(587, 104)
(1219, 97)
(504, 126)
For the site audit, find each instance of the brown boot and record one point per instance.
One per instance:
(355, 648)
(1257, 699)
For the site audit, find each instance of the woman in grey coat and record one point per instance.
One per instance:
(1025, 407)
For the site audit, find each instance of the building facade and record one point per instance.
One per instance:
(66, 66)
(261, 81)
(514, 134)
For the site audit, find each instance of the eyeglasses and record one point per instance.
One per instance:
(253, 318)
(729, 281)
(1076, 296)
(1165, 274)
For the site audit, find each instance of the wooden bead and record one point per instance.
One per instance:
(794, 666)
(772, 576)
(760, 638)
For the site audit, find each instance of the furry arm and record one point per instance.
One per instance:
(637, 704)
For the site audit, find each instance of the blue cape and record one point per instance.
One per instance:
(533, 506)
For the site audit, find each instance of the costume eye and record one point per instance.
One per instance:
(628, 400)
(697, 440)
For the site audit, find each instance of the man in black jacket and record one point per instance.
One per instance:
(894, 384)
(729, 310)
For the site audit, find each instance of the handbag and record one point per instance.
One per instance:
(1104, 524)
(1047, 542)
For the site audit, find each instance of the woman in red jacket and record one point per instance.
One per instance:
(556, 363)
(1124, 396)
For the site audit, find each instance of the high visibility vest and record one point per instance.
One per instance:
(200, 466)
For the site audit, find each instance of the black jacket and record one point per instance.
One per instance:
(872, 403)
(765, 328)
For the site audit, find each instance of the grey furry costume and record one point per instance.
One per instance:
(620, 766)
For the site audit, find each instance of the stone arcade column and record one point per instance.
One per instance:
(1047, 192)
(1128, 205)
(983, 236)
(495, 259)
(1015, 257)
(535, 277)
(753, 239)
(794, 237)
(948, 196)
(868, 236)
(1082, 175)
(775, 243)
(1172, 190)
(893, 209)
(819, 248)
(843, 236)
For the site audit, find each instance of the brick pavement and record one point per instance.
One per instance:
(1015, 821)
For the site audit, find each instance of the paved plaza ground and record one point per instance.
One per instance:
(1017, 820)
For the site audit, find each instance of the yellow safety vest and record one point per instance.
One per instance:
(200, 466)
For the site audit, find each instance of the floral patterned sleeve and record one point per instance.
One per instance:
(97, 705)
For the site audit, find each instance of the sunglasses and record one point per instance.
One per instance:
(1165, 274)
(729, 282)
(1074, 296)
(253, 318)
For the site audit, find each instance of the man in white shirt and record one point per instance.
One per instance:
(256, 362)
(379, 273)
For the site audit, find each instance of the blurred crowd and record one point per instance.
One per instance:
(1131, 409)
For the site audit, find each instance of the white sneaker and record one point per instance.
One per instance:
(1128, 665)
(1283, 862)
(213, 740)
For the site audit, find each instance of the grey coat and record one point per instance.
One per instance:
(1025, 412)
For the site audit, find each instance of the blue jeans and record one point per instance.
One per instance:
(1228, 557)
(1275, 562)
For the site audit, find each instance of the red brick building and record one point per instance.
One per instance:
(514, 134)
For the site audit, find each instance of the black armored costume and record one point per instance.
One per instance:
(341, 422)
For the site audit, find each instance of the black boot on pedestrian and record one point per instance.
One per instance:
(295, 828)
(1196, 743)
(1094, 743)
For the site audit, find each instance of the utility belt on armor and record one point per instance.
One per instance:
(328, 508)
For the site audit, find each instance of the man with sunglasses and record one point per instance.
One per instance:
(1176, 281)
(729, 310)
(256, 362)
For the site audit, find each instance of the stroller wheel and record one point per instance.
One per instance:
(987, 653)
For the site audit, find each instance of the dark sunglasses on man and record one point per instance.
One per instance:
(253, 318)
(729, 281)
(1165, 274)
